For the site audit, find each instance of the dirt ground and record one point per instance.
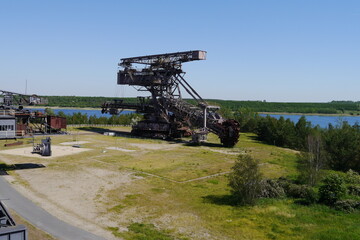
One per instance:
(73, 194)
(150, 146)
(75, 197)
(74, 142)
(57, 151)
(120, 149)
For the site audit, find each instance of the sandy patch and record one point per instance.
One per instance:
(57, 151)
(155, 146)
(77, 197)
(74, 143)
(120, 149)
(229, 152)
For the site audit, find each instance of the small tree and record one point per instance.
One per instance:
(49, 111)
(245, 180)
(333, 189)
(313, 161)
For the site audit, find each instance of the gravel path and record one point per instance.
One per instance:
(39, 217)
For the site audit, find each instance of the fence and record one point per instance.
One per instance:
(97, 125)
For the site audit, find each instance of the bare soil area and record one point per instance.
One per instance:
(153, 146)
(74, 142)
(120, 149)
(57, 151)
(77, 196)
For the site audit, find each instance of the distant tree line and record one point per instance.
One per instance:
(334, 107)
(79, 118)
(80, 102)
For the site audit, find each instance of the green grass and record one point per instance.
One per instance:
(206, 204)
(141, 231)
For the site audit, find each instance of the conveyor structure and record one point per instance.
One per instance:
(166, 113)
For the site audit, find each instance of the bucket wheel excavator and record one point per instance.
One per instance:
(166, 113)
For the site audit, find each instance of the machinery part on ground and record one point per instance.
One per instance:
(13, 144)
(230, 133)
(44, 148)
(166, 114)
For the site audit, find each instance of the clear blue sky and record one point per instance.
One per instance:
(273, 50)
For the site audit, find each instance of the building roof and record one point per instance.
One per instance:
(7, 117)
(5, 218)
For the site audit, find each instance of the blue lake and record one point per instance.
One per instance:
(71, 111)
(322, 121)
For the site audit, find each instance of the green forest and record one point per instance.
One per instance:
(334, 107)
(328, 162)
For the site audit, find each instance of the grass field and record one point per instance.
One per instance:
(177, 191)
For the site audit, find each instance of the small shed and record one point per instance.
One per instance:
(7, 126)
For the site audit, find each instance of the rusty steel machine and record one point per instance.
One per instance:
(166, 113)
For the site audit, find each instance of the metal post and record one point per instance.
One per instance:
(205, 117)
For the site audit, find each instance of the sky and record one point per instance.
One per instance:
(273, 50)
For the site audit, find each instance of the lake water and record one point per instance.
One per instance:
(71, 111)
(322, 121)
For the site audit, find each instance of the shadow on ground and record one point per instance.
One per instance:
(256, 139)
(4, 168)
(226, 199)
(206, 144)
(186, 142)
(102, 130)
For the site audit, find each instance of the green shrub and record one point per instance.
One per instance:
(348, 205)
(271, 189)
(295, 190)
(310, 196)
(352, 177)
(245, 179)
(304, 192)
(332, 190)
(354, 190)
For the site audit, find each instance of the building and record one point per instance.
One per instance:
(8, 228)
(7, 127)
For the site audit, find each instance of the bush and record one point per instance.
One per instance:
(245, 179)
(352, 177)
(347, 205)
(354, 190)
(271, 189)
(310, 196)
(306, 193)
(332, 190)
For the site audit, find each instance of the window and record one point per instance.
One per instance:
(7, 127)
